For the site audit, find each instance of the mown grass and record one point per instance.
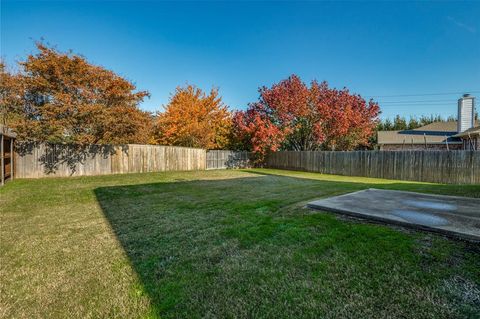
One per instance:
(225, 244)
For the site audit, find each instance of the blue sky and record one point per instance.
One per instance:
(373, 48)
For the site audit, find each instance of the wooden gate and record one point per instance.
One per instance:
(7, 138)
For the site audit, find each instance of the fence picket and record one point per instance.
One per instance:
(43, 160)
(449, 167)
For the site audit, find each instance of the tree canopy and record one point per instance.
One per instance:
(291, 115)
(401, 123)
(61, 97)
(195, 119)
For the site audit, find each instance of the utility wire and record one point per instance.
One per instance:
(426, 103)
(415, 105)
(410, 107)
(426, 94)
(414, 101)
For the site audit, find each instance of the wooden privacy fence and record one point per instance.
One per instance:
(220, 159)
(43, 160)
(450, 167)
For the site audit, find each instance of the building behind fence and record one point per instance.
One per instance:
(450, 167)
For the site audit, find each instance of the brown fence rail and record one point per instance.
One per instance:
(44, 160)
(449, 167)
(220, 159)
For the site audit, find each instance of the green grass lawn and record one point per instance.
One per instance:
(224, 244)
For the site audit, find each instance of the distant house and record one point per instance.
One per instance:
(470, 138)
(452, 135)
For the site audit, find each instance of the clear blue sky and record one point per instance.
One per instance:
(373, 48)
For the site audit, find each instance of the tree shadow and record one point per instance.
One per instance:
(220, 159)
(184, 239)
(53, 156)
(469, 190)
(240, 160)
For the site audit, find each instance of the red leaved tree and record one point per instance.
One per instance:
(345, 121)
(254, 131)
(291, 115)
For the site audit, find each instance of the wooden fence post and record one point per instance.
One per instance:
(2, 160)
(12, 156)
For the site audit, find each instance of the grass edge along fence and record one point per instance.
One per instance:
(56, 160)
(448, 167)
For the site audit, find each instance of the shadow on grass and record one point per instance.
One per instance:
(468, 190)
(241, 247)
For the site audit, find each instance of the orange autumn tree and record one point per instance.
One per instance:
(10, 95)
(194, 119)
(65, 99)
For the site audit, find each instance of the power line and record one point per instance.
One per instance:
(412, 105)
(426, 103)
(426, 94)
(416, 101)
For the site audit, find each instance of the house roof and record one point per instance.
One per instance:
(450, 126)
(474, 131)
(412, 137)
(434, 133)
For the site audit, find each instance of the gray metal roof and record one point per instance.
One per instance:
(434, 133)
(474, 131)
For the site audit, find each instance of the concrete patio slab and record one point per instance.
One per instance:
(449, 215)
